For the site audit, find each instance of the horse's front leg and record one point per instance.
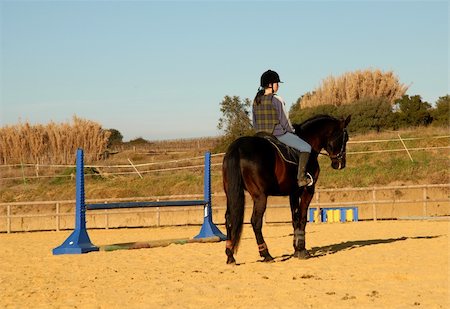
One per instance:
(299, 220)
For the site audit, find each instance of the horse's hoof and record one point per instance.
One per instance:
(231, 260)
(302, 255)
(268, 259)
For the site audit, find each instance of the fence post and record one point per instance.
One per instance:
(23, 172)
(135, 169)
(57, 217)
(319, 213)
(106, 220)
(8, 219)
(158, 217)
(424, 190)
(404, 146)
(37, 169)
(374, 205)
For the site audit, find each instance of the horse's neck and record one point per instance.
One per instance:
(317, 135)
(316, 143)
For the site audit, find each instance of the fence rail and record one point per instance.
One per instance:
(422, 201)
(35, 171)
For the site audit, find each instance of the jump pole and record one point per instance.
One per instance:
(79, 242)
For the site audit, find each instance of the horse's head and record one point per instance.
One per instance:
(326, 132)
(337, 143)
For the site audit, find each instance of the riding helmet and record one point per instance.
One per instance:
(269, 77)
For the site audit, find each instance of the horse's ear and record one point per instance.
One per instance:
(347, 120)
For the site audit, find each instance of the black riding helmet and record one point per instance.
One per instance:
(269, 77)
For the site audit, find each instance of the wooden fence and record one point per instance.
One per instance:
(27, 171)
(374, 203)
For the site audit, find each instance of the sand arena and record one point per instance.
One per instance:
(384, 264)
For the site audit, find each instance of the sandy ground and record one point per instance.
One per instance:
(385, 264)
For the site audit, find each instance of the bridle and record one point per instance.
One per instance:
(342, 153)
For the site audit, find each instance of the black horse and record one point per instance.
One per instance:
(252, 163)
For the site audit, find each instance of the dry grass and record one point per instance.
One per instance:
(168, 148)
(353, 86)
(53, 143)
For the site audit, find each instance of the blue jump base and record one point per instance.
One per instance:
(79, 242)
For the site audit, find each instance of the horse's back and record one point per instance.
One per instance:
(251, 148)
(260, 166)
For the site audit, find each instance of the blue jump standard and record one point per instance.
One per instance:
(78, 242)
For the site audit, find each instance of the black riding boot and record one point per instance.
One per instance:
(303, 179)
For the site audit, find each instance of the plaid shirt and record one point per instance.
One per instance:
(265, 116)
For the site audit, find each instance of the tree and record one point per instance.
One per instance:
(138, 141)
(412, 111)
(235, 121)
(441, 112)
(115, 138)
(370, 115)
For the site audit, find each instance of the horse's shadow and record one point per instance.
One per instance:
(317, 252)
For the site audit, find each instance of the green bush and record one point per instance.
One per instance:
(373, 114)
(68, 174)
(377, 114)
(441, 112)
(297, 115)
(412, 111)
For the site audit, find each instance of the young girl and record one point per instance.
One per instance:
(270, 116)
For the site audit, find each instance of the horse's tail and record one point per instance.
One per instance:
(234, 189)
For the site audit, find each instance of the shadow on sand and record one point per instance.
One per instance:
(316, 252)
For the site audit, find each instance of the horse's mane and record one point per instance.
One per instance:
(305, 125)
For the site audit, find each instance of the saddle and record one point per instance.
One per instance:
(287, 153)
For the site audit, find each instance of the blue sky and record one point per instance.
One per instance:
(159, 69)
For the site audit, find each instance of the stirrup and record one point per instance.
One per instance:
(310, 178)
(308, 184)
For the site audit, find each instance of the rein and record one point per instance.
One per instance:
(341, 154)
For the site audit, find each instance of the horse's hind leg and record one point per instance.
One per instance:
(229, 250)
(259, 208)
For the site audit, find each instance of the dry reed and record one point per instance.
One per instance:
(53, 143)
(354, 86)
